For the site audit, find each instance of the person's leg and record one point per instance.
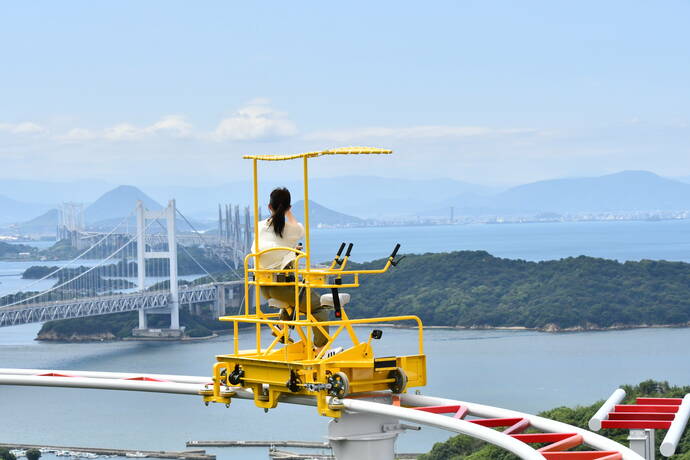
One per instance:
(284, 294)
(287, 294)
(319, 313)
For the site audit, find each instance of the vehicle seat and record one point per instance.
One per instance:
(327, 299)
(275, 303)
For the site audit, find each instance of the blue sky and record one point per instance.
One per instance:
(488, 92)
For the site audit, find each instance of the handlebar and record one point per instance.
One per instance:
(395, 251)
(349, 249)
(340, 251)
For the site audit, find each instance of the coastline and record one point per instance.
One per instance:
(51, 337)
(550, 328)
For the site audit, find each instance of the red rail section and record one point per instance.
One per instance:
(553, 446)
(646, 413)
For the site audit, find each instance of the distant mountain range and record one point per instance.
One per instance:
(620, 192)
(118, 203)
(348, 194)
(347, 200)
(12, 210)
(45, 224)
(103, 214)
(321, 215)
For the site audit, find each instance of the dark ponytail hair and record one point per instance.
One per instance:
(280, 204)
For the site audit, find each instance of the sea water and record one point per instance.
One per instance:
(522, 370)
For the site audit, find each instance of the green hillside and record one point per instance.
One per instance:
(467, 448)
(475, 289)
(13, 251)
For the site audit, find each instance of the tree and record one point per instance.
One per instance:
(5, 454)
(33, 454)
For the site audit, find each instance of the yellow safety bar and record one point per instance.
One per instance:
(267, 369)
(343, 324)
(304, 277)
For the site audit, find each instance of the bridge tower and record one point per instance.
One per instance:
(71, 223)
(173, 308)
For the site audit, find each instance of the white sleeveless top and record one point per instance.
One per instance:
(268, 239)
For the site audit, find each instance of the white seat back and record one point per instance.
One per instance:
(327, 299)
(275, 303)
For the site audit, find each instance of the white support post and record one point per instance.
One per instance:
(141, 259)
(172, 258)
(642, 443)
(363, 436)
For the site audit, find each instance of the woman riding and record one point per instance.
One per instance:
(282, 229)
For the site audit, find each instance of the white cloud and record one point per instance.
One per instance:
(174, 125)
(255, 121)
(123, 132)
(171, 125)
(26, 127)
(413, 132)
(78, 134)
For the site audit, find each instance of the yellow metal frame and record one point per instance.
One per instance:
(297, 368)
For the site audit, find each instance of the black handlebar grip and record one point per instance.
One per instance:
(349, 249)
(395, 251)
(340, 251)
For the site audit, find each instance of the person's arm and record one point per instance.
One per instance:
(292, 220)
(290, 217)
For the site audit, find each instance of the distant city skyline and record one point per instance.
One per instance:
(164, 93)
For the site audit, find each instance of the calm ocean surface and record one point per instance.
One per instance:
(524, 370)
(629, 240)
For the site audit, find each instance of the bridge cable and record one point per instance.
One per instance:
(204, 242)
(49, 275)
(101, 264)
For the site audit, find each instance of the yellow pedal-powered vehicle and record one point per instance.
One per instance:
(298, 368)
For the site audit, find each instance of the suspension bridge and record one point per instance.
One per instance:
(138, 270)
(365, 395)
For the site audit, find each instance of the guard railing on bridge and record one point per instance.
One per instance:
(103, 305)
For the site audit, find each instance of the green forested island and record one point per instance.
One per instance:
(16, 251)
(473, 289)
(467, 448)
(120, 325)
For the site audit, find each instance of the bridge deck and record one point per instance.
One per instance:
(104, 305)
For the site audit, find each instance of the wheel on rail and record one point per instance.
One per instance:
(295, 383)
(400, 383)
(235, 377)
(340, 385)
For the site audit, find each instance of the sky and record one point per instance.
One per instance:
(489, 92)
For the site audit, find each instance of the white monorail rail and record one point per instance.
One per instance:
(193, 385)
(591, 439)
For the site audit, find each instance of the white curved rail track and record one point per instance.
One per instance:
(591, 439)
(191, 385)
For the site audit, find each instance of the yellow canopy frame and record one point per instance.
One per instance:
(298, 367)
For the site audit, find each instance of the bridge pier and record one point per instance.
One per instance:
(143, 322)
(219, 304)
